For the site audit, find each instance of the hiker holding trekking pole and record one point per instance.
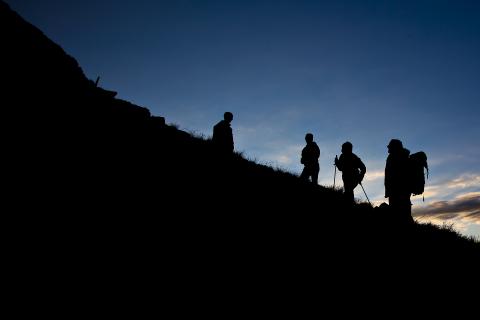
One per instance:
(353, 170)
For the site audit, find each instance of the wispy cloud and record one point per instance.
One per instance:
(432, 191)
(464, 181)
(463, 213)
(436, 160)
(452, 188)
(374, 175)
(466, 206)
(286, 156)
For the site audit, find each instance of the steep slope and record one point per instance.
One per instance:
(112, 183)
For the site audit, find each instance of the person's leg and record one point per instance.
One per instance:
(315, 172)
(401, 207)
(305, 173)
(393, 203)
(348, 192)
(405, 208)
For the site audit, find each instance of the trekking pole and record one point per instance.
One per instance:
(361, 185)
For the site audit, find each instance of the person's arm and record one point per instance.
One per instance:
(339, 163)
(317, 151)
(215, 133)
(363, 169)
(302, 157)
(387, 180)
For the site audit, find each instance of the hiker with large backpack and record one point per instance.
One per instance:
(404, 176)
(397, 182)
(353, 170)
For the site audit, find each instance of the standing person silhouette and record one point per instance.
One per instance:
(397, 188)
(353, 170)
(222, 134)
(310, 155)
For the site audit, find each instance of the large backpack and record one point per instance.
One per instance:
(418, 162)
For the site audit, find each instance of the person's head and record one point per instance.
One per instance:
(347, 147)
(395, 145)
(309, 137)
(228, 116)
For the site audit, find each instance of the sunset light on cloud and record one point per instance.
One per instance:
(375, 175)
(456, 203)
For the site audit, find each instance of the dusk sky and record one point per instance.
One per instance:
(362, 71)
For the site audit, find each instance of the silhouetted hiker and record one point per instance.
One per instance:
(353, 170)
(397, 188)
(310, 155)
(222, 133)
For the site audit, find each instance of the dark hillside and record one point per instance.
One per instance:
(104, 182)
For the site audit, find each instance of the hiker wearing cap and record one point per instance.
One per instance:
(353, 170)
(310, 155)
(397, 188)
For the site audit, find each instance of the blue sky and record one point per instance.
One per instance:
(362, 71)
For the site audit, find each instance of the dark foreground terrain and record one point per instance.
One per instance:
(105, 194)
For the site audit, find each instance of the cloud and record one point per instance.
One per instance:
(452, 188)
(475, 216)
(464, 207)
(286, 156)
(374, 175)
(463, 213)
(464, 181)
(445, 159)
(433, 192)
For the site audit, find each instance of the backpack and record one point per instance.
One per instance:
(417, 163)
